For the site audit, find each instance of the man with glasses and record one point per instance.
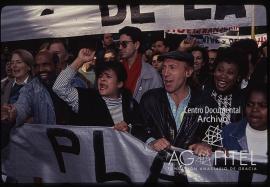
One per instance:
(141, 76)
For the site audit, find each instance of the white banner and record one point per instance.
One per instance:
(48, 21)
(69, 154)
(228, 40)
(216, 41)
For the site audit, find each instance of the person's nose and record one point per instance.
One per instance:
(165, 72)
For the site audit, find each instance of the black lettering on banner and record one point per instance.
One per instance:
(100, 163)
(223, 10)
(155, 171)
(196, 14)
(137, 17)
(52, 133)
(107, 20)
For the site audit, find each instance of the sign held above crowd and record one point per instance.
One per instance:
(48, 21)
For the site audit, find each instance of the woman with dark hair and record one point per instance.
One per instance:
(21, 67)
(111, 105)
(201, 72)
(224, 87)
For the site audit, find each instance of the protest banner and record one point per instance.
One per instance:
(79, 154)
(203, 31)
(212, 41)
(50, 21)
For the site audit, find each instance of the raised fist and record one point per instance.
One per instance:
(86, 55)
(187, 44)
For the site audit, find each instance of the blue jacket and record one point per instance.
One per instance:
(77, 81)
(35, 101)
(234, 136)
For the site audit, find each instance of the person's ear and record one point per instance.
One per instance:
(189, 71)
(137, 45)
(66, 57)
(120, 84)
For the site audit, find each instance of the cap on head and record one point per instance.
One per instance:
(178, 55)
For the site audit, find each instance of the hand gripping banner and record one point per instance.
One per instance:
(79, 154)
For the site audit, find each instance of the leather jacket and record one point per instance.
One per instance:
(160, 122)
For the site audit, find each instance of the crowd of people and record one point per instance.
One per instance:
(159, 95)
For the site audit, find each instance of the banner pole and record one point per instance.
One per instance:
(164, 34)
(253, 24)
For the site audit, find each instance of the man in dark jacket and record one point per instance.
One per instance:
(176, 115)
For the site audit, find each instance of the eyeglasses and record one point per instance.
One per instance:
(123, 43)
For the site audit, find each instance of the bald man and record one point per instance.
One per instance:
(37, 100)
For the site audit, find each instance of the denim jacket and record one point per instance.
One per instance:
(35, 101)
(234, 136)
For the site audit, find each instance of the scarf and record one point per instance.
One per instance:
(133, 73)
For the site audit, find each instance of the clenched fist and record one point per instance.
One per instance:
(187, 44)
(84, 55)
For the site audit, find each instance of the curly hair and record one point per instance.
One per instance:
(235, 56)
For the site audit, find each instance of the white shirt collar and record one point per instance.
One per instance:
(24, 82)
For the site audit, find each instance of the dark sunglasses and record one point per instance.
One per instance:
(123, 43)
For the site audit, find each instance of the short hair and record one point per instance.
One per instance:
(233, 56)
(44, 46)
(134, 33)
(261, 88)
(25, 55)
(249, 46)
(164, 40)
(116, 66)
(58, 40)
(48, 54)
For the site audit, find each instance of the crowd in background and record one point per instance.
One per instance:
(147, 93)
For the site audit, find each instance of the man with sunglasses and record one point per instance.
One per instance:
(141, 76)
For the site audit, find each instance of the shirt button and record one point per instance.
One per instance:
(140, 89)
